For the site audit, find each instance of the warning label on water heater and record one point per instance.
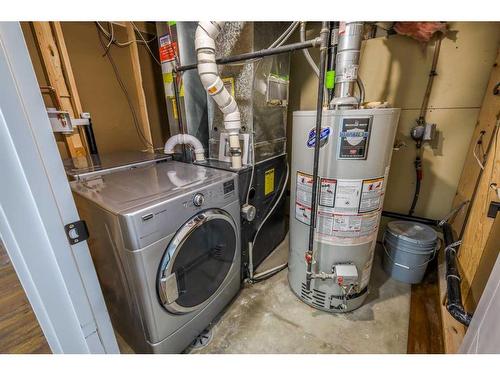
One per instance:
(348, 210)
(347, 196)
(303, 193)
(328, 189)
(371, 195)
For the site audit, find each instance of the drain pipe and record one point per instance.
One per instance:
(347, 65)
(184, 139)
(309, 255)
(205, 36)
(454, 304)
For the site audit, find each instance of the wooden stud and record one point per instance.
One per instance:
(477, 230)
(137, 76)
(478, 227)
(54, 69)
(66, 68)
(487, 118)
(483, 272)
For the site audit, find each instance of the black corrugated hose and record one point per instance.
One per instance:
(454, 303)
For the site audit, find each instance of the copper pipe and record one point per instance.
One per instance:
(430, 81)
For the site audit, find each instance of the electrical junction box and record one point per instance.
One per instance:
(60, 121)
(429, 132)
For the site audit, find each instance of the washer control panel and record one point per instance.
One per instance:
(159, 220)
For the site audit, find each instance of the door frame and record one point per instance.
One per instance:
(36, 202)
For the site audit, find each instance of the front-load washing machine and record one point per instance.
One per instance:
(165, 241)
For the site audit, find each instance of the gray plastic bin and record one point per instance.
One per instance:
(408, 248)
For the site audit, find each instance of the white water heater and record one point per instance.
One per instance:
(355, 154)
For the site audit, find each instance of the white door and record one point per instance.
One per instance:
(35, 203)
(483, 334)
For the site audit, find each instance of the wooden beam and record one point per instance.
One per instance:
(478, 226)
(483, 272)
(473, 186)
(139, 89)
(53, 66)
(490, 109)
(66, 68)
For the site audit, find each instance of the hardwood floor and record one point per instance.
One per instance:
(424, 332)
(19, 329)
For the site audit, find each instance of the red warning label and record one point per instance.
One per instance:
(168, 48)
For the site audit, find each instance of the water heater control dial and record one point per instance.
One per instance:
(198, 199)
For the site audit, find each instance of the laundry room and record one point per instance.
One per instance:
(251, 186)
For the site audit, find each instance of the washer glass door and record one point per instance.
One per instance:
(197, 261)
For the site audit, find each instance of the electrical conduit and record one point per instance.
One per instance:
(205, 36)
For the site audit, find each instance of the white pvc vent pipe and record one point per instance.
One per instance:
(185, 139)
(205, 36)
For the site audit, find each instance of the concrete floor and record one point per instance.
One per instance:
(268, 318)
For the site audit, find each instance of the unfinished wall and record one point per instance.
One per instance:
(99, 90)
(395, 69)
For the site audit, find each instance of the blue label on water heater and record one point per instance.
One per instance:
(323, 137)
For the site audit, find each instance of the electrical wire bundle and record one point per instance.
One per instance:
(107, 52)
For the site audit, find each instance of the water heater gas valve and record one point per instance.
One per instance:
(345, 274)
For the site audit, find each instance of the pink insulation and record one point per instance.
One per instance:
(421, 31)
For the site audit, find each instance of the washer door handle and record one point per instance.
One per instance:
(169, 289)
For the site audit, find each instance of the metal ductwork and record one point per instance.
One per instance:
(347, 64)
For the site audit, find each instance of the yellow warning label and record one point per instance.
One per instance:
(269, 181)
(174, 108)
(229, 85)
(168, 78)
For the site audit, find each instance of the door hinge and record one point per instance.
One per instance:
(76, 232)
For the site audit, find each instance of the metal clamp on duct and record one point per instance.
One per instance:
(205, 36)
(185, 139)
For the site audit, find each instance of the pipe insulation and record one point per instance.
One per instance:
(183, 139)
(206, 33)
